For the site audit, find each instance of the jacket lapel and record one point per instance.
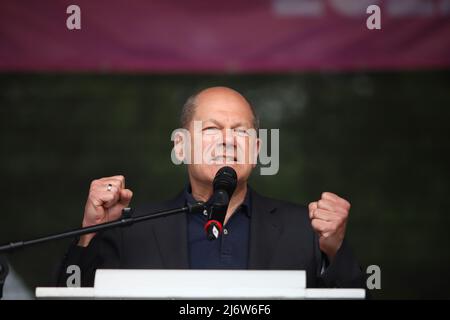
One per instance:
(265, 231)
(171, 236)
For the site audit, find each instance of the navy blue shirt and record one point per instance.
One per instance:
(230, 250)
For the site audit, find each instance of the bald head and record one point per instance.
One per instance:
(214, 96)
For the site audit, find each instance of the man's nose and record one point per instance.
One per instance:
(228, 137)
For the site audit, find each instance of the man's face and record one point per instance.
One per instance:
(222, 119)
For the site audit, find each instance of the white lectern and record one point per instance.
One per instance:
(198, 284)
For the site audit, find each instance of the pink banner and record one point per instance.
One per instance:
(222, 36)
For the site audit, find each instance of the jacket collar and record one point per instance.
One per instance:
(171, 236)
(265, 231)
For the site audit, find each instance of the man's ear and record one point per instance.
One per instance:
(178, 145)
(181, 143)
(256, 151)
(255, 146)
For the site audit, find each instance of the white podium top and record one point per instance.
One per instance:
(199, 284)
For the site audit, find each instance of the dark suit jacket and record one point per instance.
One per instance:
(281, 239)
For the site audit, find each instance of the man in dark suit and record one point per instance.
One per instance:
(259, 233)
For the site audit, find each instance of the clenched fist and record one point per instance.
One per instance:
(329, 219)
(107, 197)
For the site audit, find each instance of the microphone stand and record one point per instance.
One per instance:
(126, 219)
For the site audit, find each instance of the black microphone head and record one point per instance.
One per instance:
(224, 185)
(225, 179)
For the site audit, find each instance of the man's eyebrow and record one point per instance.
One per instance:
(214, 121)
(238, 124)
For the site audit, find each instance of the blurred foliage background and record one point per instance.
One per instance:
(380, 139)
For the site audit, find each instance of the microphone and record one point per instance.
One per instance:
(224, 185)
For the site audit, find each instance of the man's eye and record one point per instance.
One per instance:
(210, 130)
(241, 132)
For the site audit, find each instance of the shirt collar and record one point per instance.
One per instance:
(245, 205)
